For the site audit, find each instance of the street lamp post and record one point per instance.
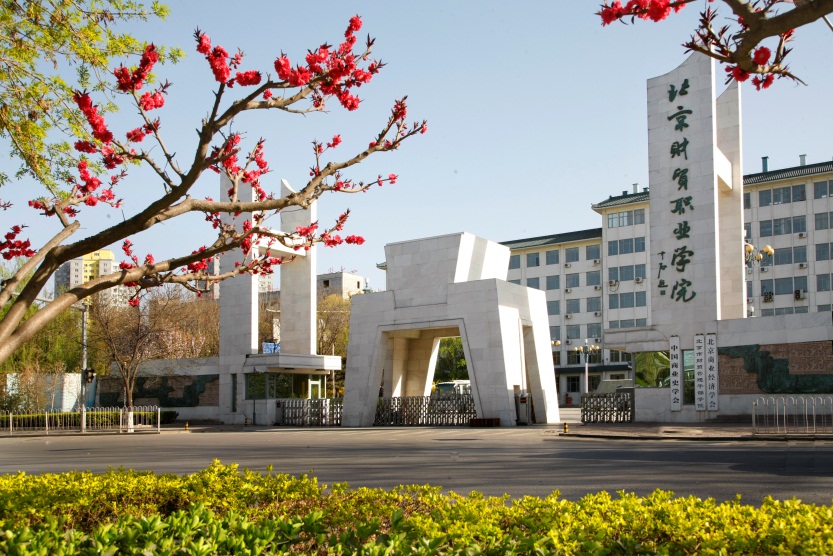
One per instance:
(587, 349)
(755, 257)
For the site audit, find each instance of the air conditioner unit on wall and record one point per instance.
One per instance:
(597, 314)
(598, 340)
(764, 269)
(568, 316)
(597, 288)
(568, 290)
(802, 234)
(638, 280)
(567, 265)
(612, 283)
(569, 342)
(596, 261)
(802, 265)
(749, 300)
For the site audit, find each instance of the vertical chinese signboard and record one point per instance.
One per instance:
(700, 372)
(712, 393)
(675, 359)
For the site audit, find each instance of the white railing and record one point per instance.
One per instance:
(797, 415)
(98, 419)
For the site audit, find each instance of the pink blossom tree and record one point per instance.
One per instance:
(737, 43)
(327, 74)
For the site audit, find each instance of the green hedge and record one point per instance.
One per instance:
(222, 510)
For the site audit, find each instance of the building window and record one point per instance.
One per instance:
(639, 216)
(783, 256)
(641, 298)
(573, 358)
(782, 226)
(574, 384)
(594, 304)
(572, 280)
(639, 271)
(764, 198)
(613, 220)
(765, 228)
(612, 248)
(625, 246)
(780, 195)
(553, 307)
(613, 301)
(822, 220)
(592, 252)
(571, 255)
(766, 287)
(747, 200)
(515, 281)
(533, 259)
(234, 392)
(594, 330)
(573, 306)
(326, 283)
(823, 251)
(514, 261)
(533, 283)
(820, 190)
(799, 193)
(626, 273)
(594, 278)
(553, 282)
(747, 231)
(556, 358)
(640, 322)
(626, 300)
(613, 273)
(822, 282)
(555, 333)
(799, 224)
(800, 283)
(784, 286)
(573, 331)
(626, 323)
(639, 244)
(613, 324)
(800, 254)
(552, 256)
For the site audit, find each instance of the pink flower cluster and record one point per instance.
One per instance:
(96, 120)
(336, 70)
(132, 81)
(13, 247)
(655, 10)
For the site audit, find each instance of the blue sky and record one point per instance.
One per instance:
(534, 110)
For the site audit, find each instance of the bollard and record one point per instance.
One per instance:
(566, 429)
(245, 421)
(186, 425)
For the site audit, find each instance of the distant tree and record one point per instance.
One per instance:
(451, 361)
(738, 42)
(155, 329)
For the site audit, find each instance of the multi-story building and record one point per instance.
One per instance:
(92, 265)
(598, 280)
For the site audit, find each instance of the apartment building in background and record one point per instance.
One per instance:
(599, 279)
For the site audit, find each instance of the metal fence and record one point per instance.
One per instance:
(96, 419)
(302, 412)
(450, 410)
(798, 415)
(607, 408)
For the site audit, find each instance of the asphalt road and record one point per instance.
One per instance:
(514, 461)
